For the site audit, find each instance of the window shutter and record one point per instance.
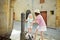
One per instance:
(42, 1)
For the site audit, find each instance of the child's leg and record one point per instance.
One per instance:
(41, 33)
(35, 34)
(29, 30)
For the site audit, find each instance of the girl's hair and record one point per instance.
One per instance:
(27, 13)
(36, 14)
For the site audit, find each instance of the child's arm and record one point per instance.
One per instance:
(25, 20)
(36, 21)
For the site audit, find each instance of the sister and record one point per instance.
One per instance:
(41, 23)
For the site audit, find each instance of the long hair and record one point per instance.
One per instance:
(27, 13)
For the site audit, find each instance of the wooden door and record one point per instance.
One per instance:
(44, 15)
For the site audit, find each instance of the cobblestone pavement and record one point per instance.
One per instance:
(50, 34)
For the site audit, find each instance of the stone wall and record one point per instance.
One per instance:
(5, 21)
(58, 13)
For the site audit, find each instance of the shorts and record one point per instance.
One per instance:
(29, 25)
(41, 28)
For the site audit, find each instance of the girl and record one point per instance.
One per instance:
(41, 23)
(29, 22)
(29, 19)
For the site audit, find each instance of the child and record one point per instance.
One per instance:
(29, 20)
(41, 23)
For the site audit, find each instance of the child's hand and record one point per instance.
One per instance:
(33, 22)
(25, 21)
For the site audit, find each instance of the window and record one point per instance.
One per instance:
(42, 1)
(52, 12)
